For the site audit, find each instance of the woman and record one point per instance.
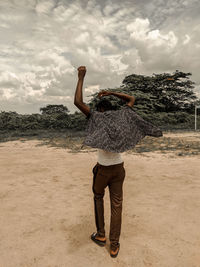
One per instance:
(112, 132)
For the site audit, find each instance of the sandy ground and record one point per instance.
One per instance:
(47, 213)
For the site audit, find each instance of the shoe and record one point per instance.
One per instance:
(94, 237)
(114, 253)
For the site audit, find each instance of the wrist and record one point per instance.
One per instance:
(81, 78)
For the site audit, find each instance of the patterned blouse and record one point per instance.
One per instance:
(117, 130)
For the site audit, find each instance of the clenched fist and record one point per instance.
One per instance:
(81, 72)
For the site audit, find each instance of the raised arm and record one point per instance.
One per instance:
(129, 98)
(78, 98)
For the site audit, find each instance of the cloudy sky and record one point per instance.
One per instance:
(42, 43)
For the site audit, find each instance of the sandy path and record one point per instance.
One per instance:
(46, 207)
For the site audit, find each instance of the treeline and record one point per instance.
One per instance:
(166, 100)
(58, 120)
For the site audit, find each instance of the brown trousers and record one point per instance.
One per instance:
(113, 177)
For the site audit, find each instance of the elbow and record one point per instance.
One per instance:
(76, 102)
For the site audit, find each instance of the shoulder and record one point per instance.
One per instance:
(88, 116)
(94, 112)
(91, 113)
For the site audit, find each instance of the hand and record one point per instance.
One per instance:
(81, 72)
(103, 93)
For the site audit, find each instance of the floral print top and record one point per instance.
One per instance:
(117, 130)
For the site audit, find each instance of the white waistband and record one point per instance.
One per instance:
(107, 158)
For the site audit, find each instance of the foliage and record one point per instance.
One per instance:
(54, 109)
(162, 92)
(166, 100)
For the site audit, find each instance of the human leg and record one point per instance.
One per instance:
(99, 185)
(116, 199)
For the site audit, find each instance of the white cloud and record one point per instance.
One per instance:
(187, 39)
(116, 64)
(42, 44)
(92, 89)
(44, 6)
(140, 32)
(138, 29)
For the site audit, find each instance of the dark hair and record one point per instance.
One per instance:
(105, 104)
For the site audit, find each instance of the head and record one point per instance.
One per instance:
(103, 105)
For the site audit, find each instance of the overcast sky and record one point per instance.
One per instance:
(42, 43)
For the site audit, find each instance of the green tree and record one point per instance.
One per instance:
(55, 116)
(162, 92)
(52, 109)
(163, 99)
(78, 121)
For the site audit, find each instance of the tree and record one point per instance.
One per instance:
(52, 109)
(163, 99)
(162, 92)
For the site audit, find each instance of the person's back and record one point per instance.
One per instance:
(111, 132)
(105, 157)
(109, 171)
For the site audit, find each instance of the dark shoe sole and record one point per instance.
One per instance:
(114, 256)
(98, 242)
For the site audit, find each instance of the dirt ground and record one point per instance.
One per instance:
(47, 213)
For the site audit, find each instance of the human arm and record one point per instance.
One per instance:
(78, 97)
(130, 99)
